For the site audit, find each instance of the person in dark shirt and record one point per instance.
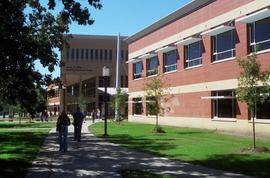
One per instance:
(62, 124)
(78, 117)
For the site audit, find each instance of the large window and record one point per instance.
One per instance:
(224, 45)
(224, 104)
(82, 54)
(260, 35)
(87, 54)
(170, 61)
(77, 54)
(262, 110)
(137, 68)
(193, 54)
(137, 106)
(152, 65)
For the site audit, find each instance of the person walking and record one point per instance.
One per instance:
(93, 115)
(62, 124)
(78, 117)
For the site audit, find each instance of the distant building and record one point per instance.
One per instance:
(196, 48)
(53, 99)
(81, 72)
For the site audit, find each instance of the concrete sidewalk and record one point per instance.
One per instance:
(94, 157)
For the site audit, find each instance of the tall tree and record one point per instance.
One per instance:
(30, 31)
(253, 86)
(155, 91)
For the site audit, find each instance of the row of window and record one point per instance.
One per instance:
(224, 105)
(82, 54)
(223, 47)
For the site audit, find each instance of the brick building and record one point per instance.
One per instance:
(82, 70)
(196, 48)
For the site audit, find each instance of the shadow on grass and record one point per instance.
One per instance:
(247, 164)
(9, 125)
(14, 168)
(142, 143)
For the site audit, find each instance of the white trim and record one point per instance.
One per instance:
(138, 78)
(217, 30)
(135, 60)
(263, 121)
(192, 67)
(165, 49)
(188, 41)
(255, 16)
(224, 60)
(224, 119)
(148, 55)
(217, 97)
(172, 71)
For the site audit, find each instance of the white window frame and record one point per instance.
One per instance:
(188, 60)
(171, 65)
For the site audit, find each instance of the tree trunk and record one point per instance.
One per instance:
(253, 130)
(156, 121)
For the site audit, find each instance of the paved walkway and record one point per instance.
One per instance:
(94, 157)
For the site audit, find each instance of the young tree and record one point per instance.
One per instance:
(155, 90)
(121, 98)
(31, 30)
(253, 86)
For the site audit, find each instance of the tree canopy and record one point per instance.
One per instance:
(31, 31)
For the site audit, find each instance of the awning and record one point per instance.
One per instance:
(217, 97)
(217, 30)
(255, 16)
(148, 55)
(166, 49)
(133, 61)
(112, 91)
(188, 41)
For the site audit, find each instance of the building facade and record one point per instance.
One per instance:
(81, 72)
(196, 48)
(53, 99)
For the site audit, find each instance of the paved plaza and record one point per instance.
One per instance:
(95, 157)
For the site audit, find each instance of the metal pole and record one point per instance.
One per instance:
(117, 81)
(106, 109)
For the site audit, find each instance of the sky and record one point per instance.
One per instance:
(126, 17)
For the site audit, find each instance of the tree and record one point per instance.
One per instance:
(155, 91)
(121, 98)
(253, 86)
(31, 31)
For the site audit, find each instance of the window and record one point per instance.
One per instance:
(137, 106)
(152, 64)
(126, 55)
(122, 81)
(110, 55)
(193, 54)
(91, 54)
(77, 54)
(67, 53)
(89, 87)
(260, 35)
(137, 68)
(170, 61)
(106, 54)
(72, 54)
(224, 45)
(101, 54)
(262, 110)
(151, 108)
(96, 54)
(82, 54)
(224, 104)
(87, 54)
(122, 54)
(126, 84)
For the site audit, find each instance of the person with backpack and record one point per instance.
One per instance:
(78, 117)
(62, 124)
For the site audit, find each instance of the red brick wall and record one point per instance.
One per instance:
(210, 11)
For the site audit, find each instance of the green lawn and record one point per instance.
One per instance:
(19, 144)
(197, 146)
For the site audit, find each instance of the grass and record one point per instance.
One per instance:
(197, 146)
(19, 145)
(139, 174)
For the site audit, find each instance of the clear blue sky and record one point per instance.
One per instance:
(124, 16)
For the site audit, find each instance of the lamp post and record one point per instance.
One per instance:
(105, 74)
(63, 88)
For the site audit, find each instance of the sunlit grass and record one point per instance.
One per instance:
(198, 146)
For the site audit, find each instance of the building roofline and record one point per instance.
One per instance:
(186, 9)
(95, 36)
